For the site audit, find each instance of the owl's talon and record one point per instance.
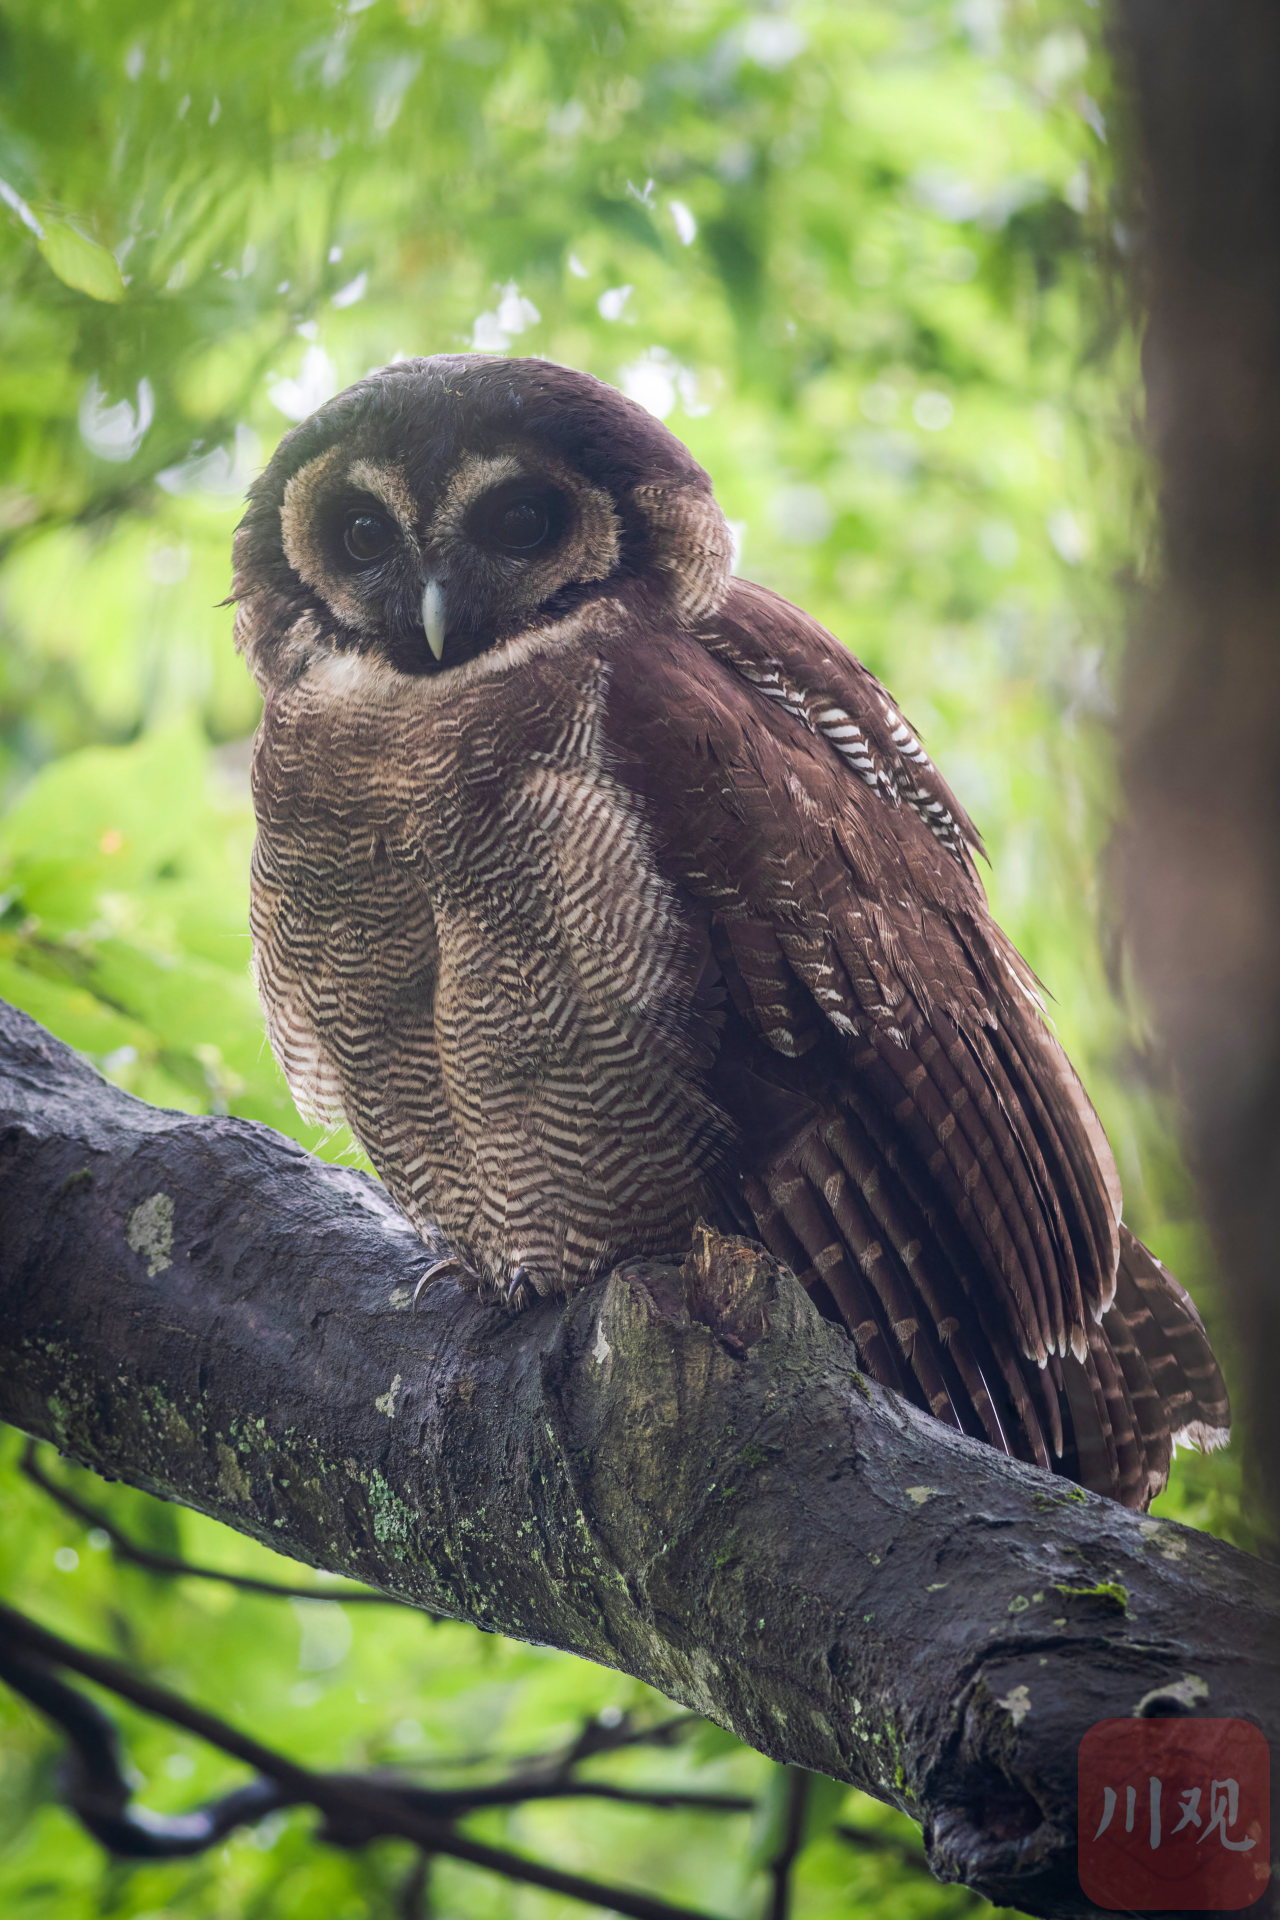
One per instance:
(515, 1293)
(437, 1270)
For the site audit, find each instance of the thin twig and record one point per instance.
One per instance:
(790, 1844)
(168, 1563)
(508, 1793)
(153, 1699)
(356, 1808)
(594, 1739)
(415, 1894)
(94, 1783)
(873, 1840)
(552, 1776)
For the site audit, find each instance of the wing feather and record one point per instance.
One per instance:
(913, 1140)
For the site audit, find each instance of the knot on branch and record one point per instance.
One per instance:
(992, 1822)
(730, 1285)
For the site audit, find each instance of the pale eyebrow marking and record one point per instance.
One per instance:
(474, 478)
(387, 484)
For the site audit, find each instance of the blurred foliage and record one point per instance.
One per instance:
(855, 252)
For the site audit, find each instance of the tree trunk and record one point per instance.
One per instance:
(1202, 692)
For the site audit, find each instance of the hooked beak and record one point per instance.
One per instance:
(433, 616)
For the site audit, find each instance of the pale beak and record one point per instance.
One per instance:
(433, 616)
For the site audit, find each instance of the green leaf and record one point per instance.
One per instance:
(824, 1806)
(81, 263)
(73, 1012)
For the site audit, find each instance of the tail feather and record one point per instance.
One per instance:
(1149, 1382)
(1169, 1334)
(1106, 1413)
(1095, 1463)
(1130, 1483)
(1148, 1412)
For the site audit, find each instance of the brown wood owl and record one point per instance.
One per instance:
(600, 891)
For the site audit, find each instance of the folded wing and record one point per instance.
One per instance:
(914, 1142)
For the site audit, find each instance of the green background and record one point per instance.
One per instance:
(861, 255)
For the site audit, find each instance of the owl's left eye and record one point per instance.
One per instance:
(517, 518)
(366, 535)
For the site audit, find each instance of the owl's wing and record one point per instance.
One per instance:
(918, 1147)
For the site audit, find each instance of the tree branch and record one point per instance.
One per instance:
(415, 1892)
(790, 1841)
(677, 1473)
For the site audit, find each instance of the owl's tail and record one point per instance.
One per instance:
(1107, 1412)
(1150, 1382)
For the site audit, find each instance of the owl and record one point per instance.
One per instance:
(600, 892)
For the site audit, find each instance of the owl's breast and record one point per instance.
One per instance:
(487, 823)
(460, 902)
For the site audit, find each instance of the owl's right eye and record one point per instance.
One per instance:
(367, 536)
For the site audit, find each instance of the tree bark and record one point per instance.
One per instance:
(676, 1472)
(1202, 684)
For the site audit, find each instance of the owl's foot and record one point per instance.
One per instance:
(451, 1264)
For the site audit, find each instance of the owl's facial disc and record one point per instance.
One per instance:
(431, 569)
(348, 531)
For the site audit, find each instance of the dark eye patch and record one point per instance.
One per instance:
(367, 533)
(518, 518)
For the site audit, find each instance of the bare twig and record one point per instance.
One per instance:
(594, 1739)
(597, 1737)
(105, 1672)
(508, 1793)
(415, 1894)
(790, 1842)
(94, 1782)
(873, 1840)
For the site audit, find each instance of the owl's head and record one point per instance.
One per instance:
(441, 507)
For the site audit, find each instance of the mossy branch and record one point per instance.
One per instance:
(677, 1472)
